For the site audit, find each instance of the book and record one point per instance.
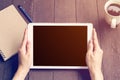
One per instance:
(12, 27)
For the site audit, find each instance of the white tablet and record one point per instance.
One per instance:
(59, 45)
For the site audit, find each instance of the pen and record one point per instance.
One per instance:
(25, 13)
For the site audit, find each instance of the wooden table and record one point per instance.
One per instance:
(67, 11)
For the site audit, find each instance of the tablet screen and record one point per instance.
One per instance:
(59, 45)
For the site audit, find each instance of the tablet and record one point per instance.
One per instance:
(59, 45)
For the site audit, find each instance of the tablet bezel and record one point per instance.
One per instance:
(30, 38)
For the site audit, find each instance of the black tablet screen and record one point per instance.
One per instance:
(59, 45)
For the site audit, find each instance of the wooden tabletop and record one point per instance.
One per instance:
(67, 11)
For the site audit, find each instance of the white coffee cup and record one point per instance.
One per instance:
(112, 12)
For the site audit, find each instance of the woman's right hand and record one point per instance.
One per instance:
(94, 58)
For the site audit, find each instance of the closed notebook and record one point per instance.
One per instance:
(12, 27)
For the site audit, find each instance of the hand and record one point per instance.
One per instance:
(25, 52)
(25, 58)
(94, 58)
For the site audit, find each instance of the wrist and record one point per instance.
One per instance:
(23, 70)
(21, 73)
(96, 75)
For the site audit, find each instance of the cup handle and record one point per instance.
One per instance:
(113, 23)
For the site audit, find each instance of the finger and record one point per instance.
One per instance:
(90, 46)
(29, 49)
(95, 40)
(24, 41)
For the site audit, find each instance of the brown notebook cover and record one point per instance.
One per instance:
(12, 27)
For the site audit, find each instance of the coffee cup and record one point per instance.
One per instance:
(112, 12)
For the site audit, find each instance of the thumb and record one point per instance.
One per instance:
(90, 46)
(29, 49)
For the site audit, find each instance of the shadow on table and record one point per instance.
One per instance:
(8, 68)
(83, 74)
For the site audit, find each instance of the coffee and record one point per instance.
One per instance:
(114, 9)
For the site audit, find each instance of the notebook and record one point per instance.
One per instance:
(12, 27)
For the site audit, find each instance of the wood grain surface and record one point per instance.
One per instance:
(43, 11)
(67, 11)
(110, 43)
